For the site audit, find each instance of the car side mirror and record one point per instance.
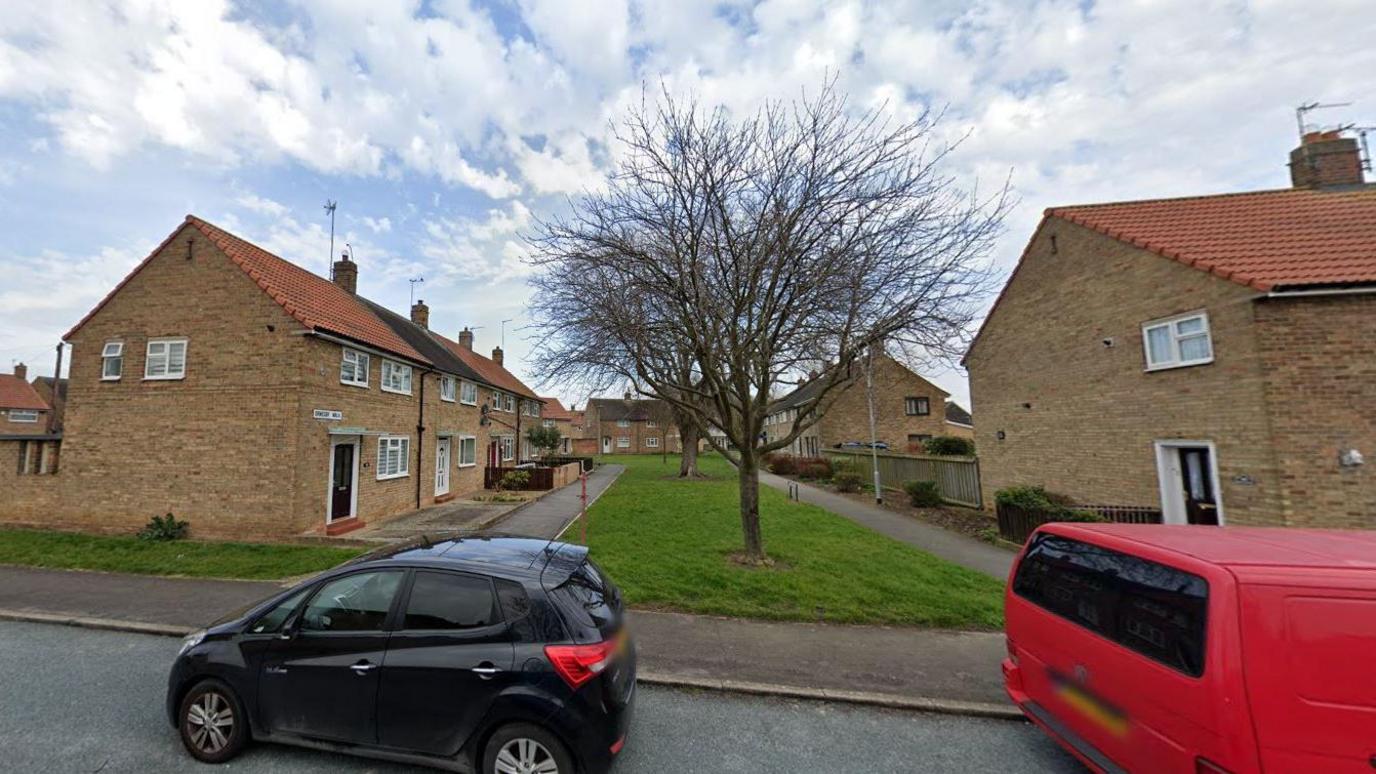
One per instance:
(290, 629)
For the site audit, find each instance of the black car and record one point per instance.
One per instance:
(497, 655)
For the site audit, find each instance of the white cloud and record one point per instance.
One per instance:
(378, 225)
(490, 248)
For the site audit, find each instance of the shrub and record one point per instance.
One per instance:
(513, 480)
(782, 464)
(923, 494)
(847, 481)
(814, 468)
(1051, 506)
(950, 446)
(164, 528)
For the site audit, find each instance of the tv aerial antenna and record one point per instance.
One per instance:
(330, 205)
(1308, 107)
(414, 282)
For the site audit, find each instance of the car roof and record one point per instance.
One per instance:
(1244, 546)
(506, 555)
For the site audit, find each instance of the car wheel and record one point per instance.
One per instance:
(212, 723)
(521, 748)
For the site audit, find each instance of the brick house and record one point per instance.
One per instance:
(23, 411)
(238, 391)
(959, 423)
(1211, 356)
(908, 410)
(630, 426)
(561, 419)
(585, 441)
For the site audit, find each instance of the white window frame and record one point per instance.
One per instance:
(652, 442)
(547, 423)
(623, 442)
(385, 444)
(465, 388)
(106, 356)
(1171, 324)
(30, 416)
(509, 404)
(388, 368)
(506, 447)
(623, 423)
(496, 400)
(458, 456)
(917, 401)
(360, 361)
(167, 374)
(448, 389)
(651, 423)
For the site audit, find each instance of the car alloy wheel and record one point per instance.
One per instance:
(526, 756)
(210, 722)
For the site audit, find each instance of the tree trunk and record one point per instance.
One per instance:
(688, 463)
(750, 507)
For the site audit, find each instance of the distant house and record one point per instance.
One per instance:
(238, 391)
(959, 423)
(23, 411)
(631, 426)
(1213, 357)
(908, 410)
(561, 419)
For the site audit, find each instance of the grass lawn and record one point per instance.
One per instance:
(668, 544)
(254, 561)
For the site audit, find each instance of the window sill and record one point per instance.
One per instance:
(468, 464)
(1173, 366)
(396, 392)
(363, 385)
(468, 403)
(407, 474)
(109, 378)
(446, 400)
(176, 378)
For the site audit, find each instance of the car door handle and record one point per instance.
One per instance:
(276, 670)
(486, 670)
(363, 668)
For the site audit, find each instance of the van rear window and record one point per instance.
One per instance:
(1155, 610)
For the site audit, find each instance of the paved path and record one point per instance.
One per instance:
(944, 543)
(89, 701)
(547, 517)
(449, 517)
(188, 602)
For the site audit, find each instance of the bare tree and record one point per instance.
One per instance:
(727, 253)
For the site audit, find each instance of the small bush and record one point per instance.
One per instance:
(923, 494)
(814, 468)
(950, 446)
(1050, 505)
(847, 481)
(782, 464)
(514, 480)
(164, 528)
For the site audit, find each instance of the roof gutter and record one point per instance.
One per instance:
(1361, 291)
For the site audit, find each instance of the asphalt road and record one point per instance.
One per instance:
(76, 700)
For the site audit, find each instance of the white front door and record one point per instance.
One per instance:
(442, 467)
(606, 444)
(1188, 476)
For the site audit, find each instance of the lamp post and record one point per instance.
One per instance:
(874, 447)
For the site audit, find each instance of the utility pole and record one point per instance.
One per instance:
(330, 204)
(869, 398)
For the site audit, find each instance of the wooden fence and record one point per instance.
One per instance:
(956, 477)
(1016, 524)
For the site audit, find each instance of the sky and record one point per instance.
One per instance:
(445, 129)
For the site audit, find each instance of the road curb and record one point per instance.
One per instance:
(744, 687)
(867, 698)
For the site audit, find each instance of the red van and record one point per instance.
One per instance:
(1157, 649)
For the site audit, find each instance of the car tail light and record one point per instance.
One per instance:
(1204, 766)
(578, 664)
(620, 743)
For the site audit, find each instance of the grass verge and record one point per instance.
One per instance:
(668, 543)
(191, 558)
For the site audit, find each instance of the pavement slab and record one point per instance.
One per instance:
(548, 516)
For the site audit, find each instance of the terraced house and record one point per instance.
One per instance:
(1209, 358)
(238, 391)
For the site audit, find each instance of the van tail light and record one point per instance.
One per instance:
(578, 664)
(1205, 766)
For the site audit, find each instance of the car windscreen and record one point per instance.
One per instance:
(1156, 610)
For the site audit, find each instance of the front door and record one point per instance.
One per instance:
(1188, 483)
(342, 481)
(442, 467)
(320, 680)
(606, 444)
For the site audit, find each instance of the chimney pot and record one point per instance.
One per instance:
(497, 355)
(1324, 159)
(21, 371)
(420, 314)
(346, 274)
(466, 339)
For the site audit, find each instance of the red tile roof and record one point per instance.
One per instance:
(555, 410)
(1264, 239)
(488, 369)
(15, 393)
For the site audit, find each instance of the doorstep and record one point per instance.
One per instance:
(343, 526)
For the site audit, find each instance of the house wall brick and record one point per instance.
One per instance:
(1319, 357)
(8, 427)
(1081, 417)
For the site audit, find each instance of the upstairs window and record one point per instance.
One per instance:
(1178, 341)
(353, 368)
(112, 361)
(447, 388)
(166, 359)
(651, 423)
(623, 423)
(468, 393)
(496, 400)
(917, 407)
(509, 403)
(23, 415)
(393, 457)
(396, 377)
(548, 423)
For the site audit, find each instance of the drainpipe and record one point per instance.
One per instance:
(53, 425)
(420, 435)
(520, 404)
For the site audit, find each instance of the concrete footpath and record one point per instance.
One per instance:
(547, 516)
(951, 546)
(944, 671)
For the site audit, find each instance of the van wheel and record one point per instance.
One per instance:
(212, 722)
(520, 748)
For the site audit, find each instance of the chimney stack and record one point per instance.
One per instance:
(346, 274)
(466, 339)
(497, 355)
(1324, 159)
(21, 371)
(420, 314)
